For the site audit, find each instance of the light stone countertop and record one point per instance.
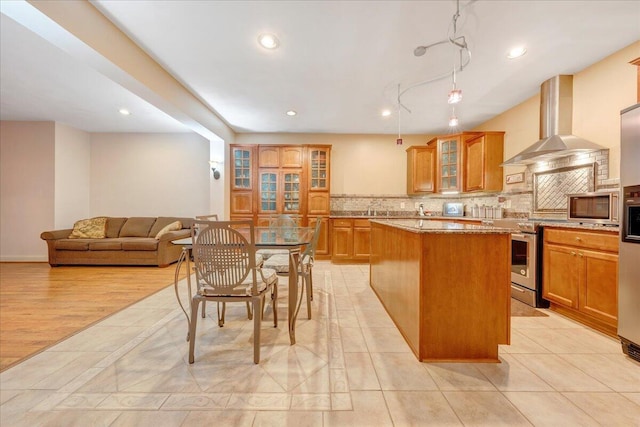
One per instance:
(435, 226)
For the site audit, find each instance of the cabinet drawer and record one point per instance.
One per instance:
(583, 239)
(342, 223)
(363, 223)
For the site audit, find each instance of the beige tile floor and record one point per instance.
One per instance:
(350, 367)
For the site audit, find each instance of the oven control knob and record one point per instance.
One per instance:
(523, 272)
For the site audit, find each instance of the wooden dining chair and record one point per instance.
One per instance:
(280, 263)
(224, 263)
(223, 309)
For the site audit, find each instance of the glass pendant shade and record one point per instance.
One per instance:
(453, 121)
(455, 96)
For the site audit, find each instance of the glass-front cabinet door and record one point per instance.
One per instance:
(242, 167)
(449, 170)
(269, 191)
(318, 169)
(291, 192)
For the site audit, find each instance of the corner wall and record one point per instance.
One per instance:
(27, 175)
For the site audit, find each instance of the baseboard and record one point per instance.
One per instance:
(32, 258)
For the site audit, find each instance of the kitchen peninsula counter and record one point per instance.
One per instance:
(446, 286)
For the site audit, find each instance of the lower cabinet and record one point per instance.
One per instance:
(580, 276)
(350, 240)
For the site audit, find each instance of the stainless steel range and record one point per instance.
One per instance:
(526, 260)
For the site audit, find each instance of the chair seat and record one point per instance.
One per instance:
(268, 274)
(267, 253)
(278, 262)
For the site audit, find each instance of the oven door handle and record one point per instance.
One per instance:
(520, 236)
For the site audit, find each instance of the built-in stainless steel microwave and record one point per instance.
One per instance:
(597, 207)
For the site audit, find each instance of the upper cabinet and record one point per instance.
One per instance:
(319, 168)
(289, 179)
(421, 168)
(464, 162)
(482, 157)
(242, 167)
(280, 156)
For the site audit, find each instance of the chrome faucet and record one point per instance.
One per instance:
(421, 210)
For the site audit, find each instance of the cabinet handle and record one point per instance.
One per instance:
(578, 239)
(580, 254)
(573, 253)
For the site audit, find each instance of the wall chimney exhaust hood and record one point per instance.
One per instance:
(556, 138)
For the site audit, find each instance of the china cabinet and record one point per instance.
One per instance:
(280, 179)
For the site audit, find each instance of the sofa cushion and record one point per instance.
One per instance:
(137, 227)
(142, 244)
(174, 226)
(114, 224)
(106, 245)
(92, 228)
(72, 244)
(162, 222)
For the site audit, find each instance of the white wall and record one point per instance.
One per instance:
(72, 185)
(26, 189)
(149, 174)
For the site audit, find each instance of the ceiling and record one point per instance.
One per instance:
(339, 63)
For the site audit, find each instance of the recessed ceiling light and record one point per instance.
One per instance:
(516, 52)
(386, 113)
(268, 41)
(124, 111)
(291, 113)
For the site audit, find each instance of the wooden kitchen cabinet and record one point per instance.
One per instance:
(464, 162)
(280, 179)
(421, 168)
(580, 276)
(449, 163)
(276, 156)
(350, 240)
(482, 157)
(322, 247)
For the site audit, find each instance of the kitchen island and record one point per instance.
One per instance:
(446, 285)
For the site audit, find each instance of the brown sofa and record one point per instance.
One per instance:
(127, 241)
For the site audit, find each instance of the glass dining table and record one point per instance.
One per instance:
(293, 239)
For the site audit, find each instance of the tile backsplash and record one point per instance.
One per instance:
(517, 202)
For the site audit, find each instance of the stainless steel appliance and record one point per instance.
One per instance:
(526, 271)
(629, 257)
(631, 217)
(596, 207)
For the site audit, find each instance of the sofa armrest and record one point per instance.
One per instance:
(175, 235)
(56, 234)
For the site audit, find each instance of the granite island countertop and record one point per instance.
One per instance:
(440, 226)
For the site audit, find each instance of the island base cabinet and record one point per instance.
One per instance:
(437, 289)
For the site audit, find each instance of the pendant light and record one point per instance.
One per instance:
(399, 140)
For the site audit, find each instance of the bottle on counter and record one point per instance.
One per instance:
(475, 211)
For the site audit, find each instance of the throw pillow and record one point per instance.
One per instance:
(92, 228)
(174, 226)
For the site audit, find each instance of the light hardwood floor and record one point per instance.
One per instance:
(40, 305)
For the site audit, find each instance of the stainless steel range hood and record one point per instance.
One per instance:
(556, 138)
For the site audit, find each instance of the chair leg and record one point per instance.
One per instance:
(192, 328)
(257, 301)
(311, 283)
(221, 313)
(204, 309)
(274, 303)
(308, 287)
(249, 313)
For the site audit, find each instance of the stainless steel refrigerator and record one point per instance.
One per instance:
(629, 260)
